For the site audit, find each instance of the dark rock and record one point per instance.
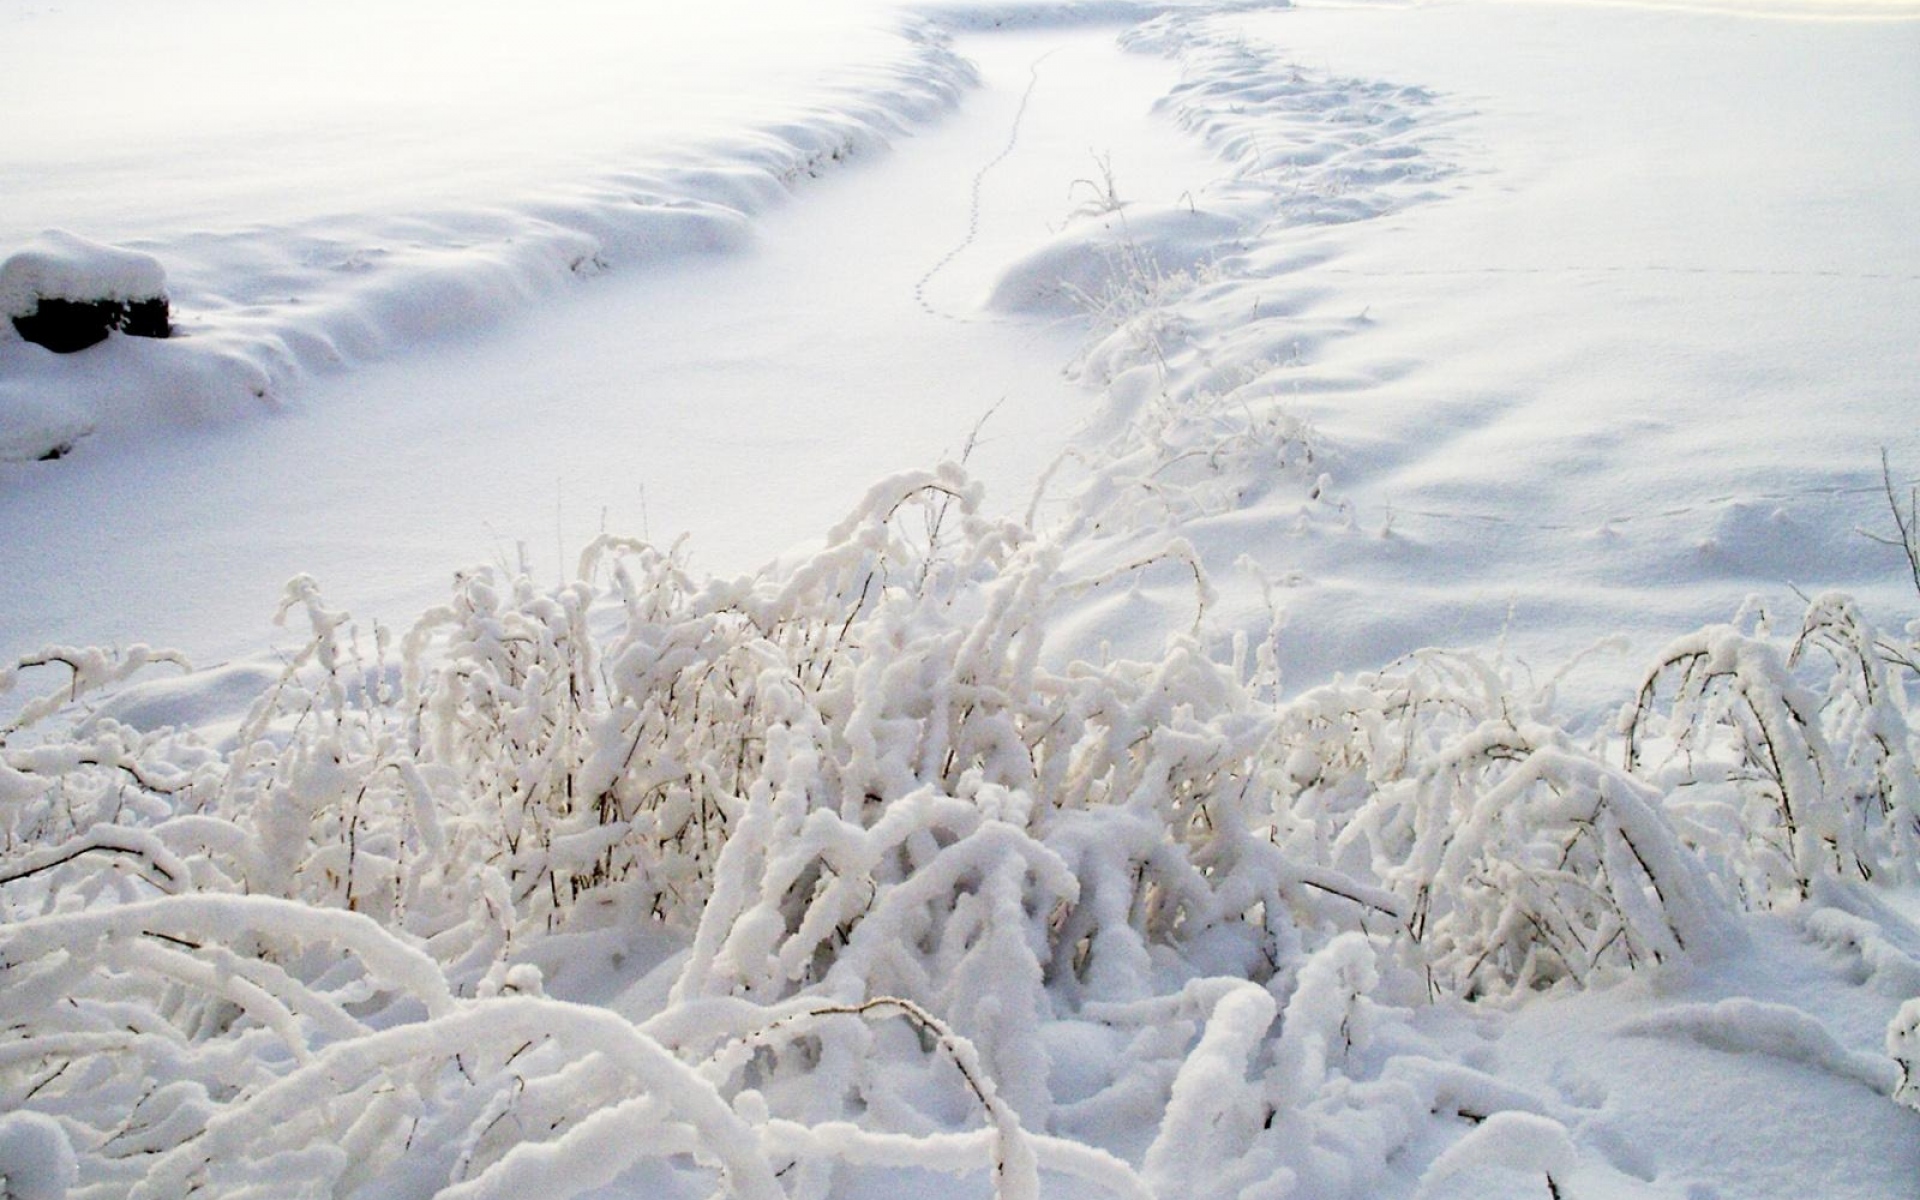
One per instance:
(64, 326)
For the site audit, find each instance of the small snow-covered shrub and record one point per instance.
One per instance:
(1194, 456)
(1803, 773)
(1516, 857)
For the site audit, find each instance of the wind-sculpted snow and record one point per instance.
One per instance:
(1305, 147)
(1201, 343)
(908, 857)
(1312, 146)
(264, 305)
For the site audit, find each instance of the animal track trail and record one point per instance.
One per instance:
(973, 200)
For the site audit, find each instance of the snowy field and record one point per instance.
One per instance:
(974, 598)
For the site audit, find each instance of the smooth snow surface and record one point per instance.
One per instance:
(169, 118)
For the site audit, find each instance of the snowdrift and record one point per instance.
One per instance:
(355, 255)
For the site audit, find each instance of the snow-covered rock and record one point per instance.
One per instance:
(67, 293)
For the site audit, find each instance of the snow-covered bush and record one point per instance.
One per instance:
(849, 781)
(1516, 857)
(911, 856)
(1789, 766)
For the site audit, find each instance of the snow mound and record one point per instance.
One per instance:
(66, 293)
(33, 427)
(1125, 252)
(1903, 1046)
(1515, 1141)
(1743, 1026)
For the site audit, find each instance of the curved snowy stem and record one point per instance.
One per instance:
(216, 918)
(474, 1027)
(1014, 1160)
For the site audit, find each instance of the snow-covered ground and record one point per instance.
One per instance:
(744, 397)
(1087, 818)
(1641, 364)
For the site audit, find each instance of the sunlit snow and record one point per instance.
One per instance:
(857, 599)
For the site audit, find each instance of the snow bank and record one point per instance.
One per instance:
(312, 282)
(1742, 1026)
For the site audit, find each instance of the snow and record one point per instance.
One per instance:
(1516, 1141)
(36, 1161)
(1192, 599)
(743, 398)
(440, 112)
(1634, 368)
(479, 165)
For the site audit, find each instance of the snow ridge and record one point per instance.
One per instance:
(257, 311)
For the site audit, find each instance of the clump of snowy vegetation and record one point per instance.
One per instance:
(915, 864)
(1785, 784)
(1517, 856)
